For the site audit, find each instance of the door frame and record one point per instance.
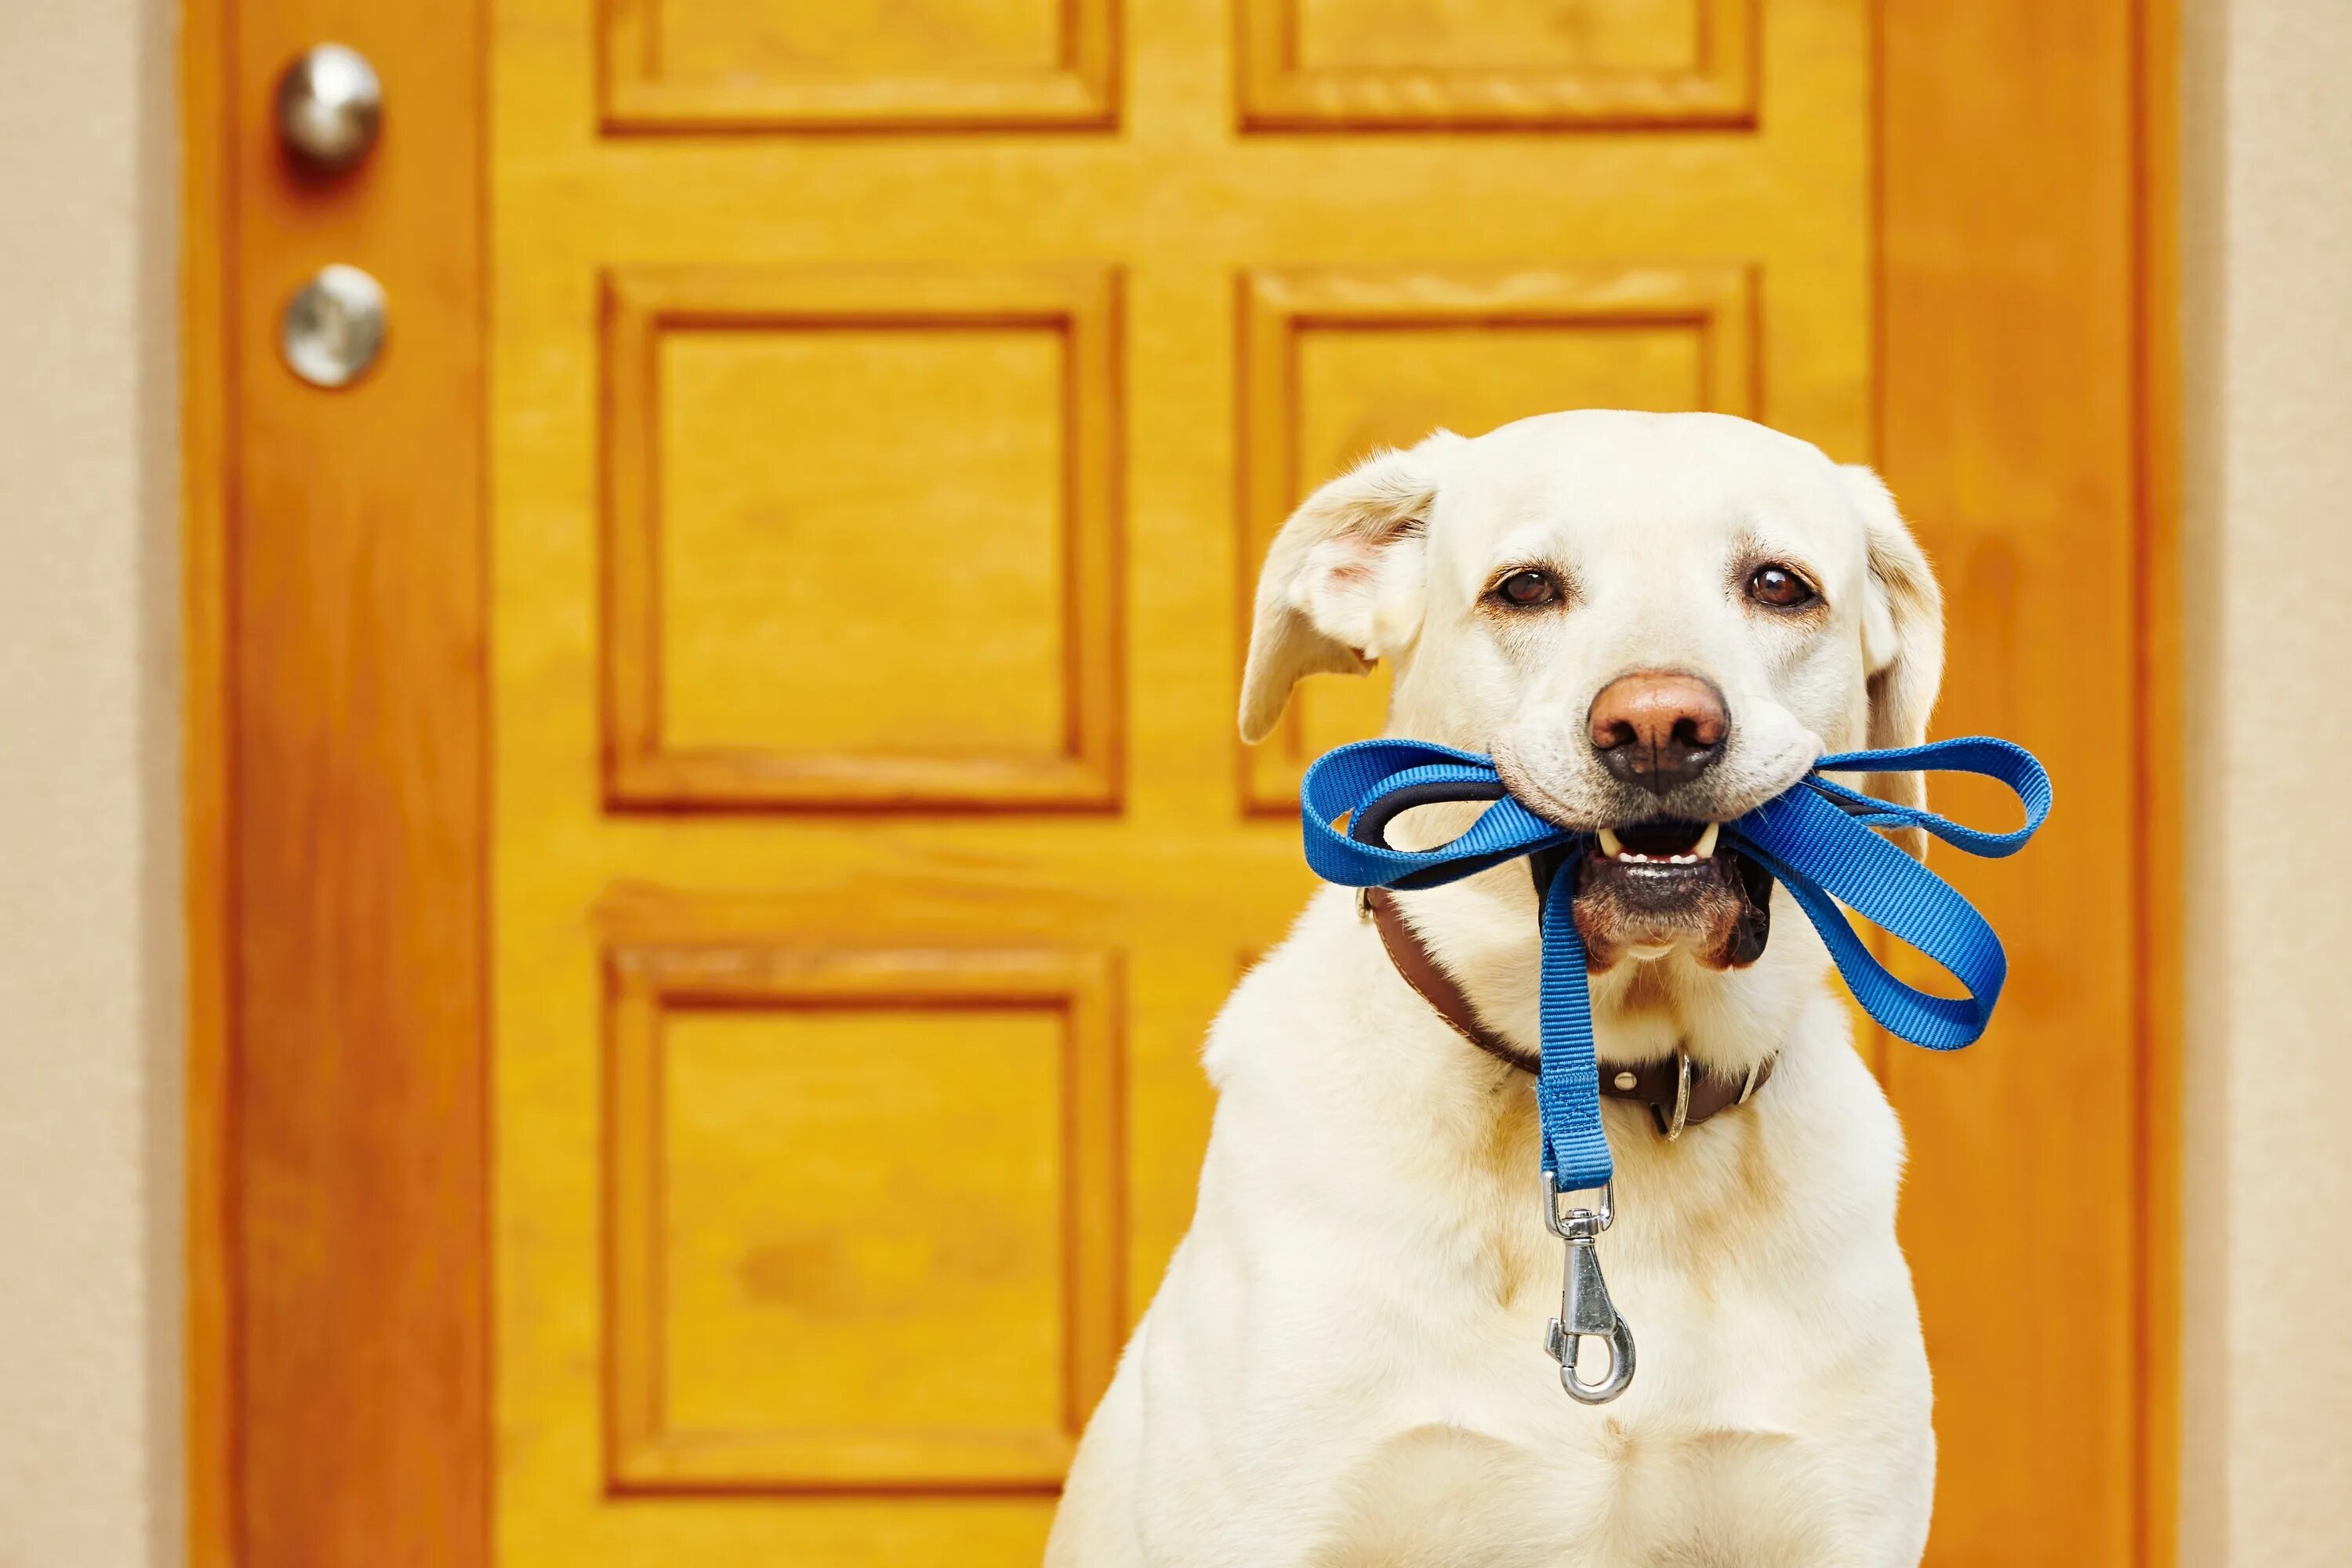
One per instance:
(286, 1162)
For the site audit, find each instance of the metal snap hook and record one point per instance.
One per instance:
(1584, 1305)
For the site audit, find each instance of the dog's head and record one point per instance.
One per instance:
(1653, 622)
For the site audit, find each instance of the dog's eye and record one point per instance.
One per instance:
(1525, 590)
(1774, 584)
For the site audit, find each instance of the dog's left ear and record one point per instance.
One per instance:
(1902, 639)
(1343, 581)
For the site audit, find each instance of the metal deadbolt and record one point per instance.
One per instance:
(329, 105)
(333, 330)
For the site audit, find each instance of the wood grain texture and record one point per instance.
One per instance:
(841, 72)
(1393, 83)
(2011, 402)
(350, 1360)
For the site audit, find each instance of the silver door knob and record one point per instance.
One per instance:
(333, 328)
(330, 104)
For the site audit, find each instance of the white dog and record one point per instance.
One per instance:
(1653, 622)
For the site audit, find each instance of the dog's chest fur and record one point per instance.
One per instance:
(1364, 1294)
(1489, 1463)
(1505, 1469)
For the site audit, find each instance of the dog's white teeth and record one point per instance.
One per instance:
(1613, 847)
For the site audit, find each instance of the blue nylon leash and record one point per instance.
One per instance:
(1819, 840)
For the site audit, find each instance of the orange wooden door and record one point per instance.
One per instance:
(883, 407)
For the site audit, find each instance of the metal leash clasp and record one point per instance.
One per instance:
(1584, 1305)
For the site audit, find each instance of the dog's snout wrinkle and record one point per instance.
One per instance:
(1658, 728)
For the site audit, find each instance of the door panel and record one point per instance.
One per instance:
(1335, 64)
(769, 643)
(1547, 36)
(871, 519)
(772, 65)
(780, 1240)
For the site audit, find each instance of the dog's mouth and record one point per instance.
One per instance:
(1646, 887)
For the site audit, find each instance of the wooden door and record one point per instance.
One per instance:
(882, 409)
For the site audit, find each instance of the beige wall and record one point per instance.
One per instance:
(88, 928)
(2267, 308)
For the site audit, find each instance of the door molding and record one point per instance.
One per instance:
(338, 1407)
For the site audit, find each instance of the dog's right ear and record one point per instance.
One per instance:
(1343, 580)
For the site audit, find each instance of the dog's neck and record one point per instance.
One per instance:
(1484, 931)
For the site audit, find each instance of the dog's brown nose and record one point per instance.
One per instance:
(1658, 728)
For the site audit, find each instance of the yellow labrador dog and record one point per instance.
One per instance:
(1653, 623)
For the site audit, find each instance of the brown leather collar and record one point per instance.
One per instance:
(1679, 1090)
